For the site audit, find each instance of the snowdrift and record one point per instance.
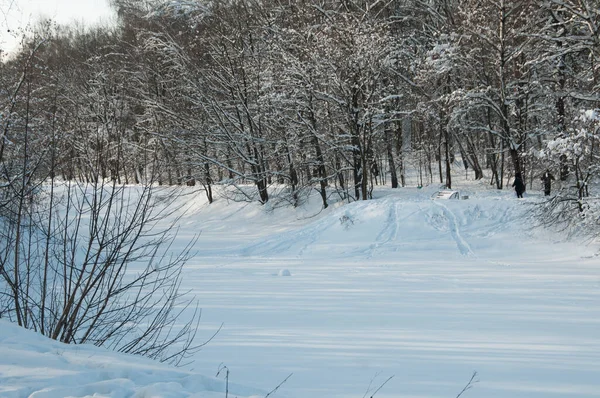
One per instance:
(34, 366)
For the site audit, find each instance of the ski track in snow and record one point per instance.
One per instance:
(389, 237)
(389, 232)
(461, 244)
(351, 219)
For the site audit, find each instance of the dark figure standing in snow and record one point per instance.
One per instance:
(547, 179)
(519, 185)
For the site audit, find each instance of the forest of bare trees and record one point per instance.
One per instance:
(337, 96)
(274, 97)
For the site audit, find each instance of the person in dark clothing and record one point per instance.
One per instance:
(547, 179)
(519, 185)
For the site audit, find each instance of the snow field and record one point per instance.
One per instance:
(426, 291)
(342, 299)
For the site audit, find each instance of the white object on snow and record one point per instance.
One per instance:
(446, 194)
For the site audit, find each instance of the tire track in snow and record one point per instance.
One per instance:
(462, 244)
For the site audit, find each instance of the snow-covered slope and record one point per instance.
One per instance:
(392, 224)
(426, 291)
(34, 366)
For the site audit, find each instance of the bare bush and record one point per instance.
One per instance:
(94, 263)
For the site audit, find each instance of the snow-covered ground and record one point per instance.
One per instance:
(423, 291)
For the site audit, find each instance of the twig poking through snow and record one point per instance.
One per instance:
(280, 384)
(469, 384)
(381, 386)
(370, 384)
(223, 367)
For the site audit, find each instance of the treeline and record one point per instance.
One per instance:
(331, 95)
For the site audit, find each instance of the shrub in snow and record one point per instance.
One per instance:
(88, 263)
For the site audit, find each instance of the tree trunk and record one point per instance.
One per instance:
(390, 156)
(357, 165)
(447, 153)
